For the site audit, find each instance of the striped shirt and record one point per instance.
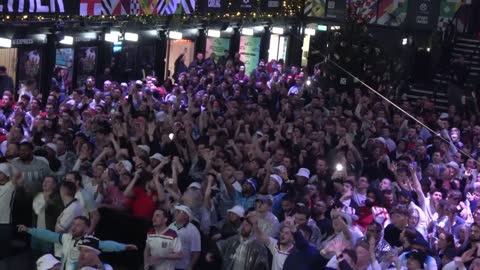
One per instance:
(162, 244)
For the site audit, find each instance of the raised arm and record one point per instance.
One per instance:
(129, 190)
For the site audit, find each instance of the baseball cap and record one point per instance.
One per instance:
(47, 262)
(5, 169)
(127, 165)
(453, 164)
(138, 82)
(157, 156)
(195, 185)
(185, 209)
(90, 242)
(237, 210)
(145, 148)
(52, 146)
(303, 172)
(277, 179)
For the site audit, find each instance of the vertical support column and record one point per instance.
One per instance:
(47, 67)
(161, 55)
(201, 41)
(295, 47)
(265, 44)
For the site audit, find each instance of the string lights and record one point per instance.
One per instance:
(290, 8)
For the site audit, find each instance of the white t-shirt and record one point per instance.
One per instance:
(6, 201)
(39, 205)
(279, 256)
(65, 220)
(162, 244)
(190, 239)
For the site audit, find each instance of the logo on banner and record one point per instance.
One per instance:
(214, 3)
(423, 7)
(273, 4)
(246, 1)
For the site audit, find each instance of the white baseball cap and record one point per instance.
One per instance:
(277, 179)
(186, 210)
(127, 165)
(195, 185)
(237, 210)
(52, 146)
(145, 148)
(157, 156)
(47, 262)
(5, 169)
(304, 172)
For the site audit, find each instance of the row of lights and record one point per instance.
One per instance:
(114, 36)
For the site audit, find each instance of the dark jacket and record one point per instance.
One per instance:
(304, 257)
(6, 83)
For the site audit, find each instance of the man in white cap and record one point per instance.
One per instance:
(48, 262)
(89, 250)
(163, 247)
(302, 177)
(7, 193)
(189, 236)
(274, 188)
(232, 224)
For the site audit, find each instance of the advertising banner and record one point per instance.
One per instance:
(29, 63)
(212, 6)
(421, 15)
(244, 5)
(216, 46)
(336, 9)
(39, 7)
(314, 8)
(249, 52)
(64, 60)
(136, 7)
(392, 12)
(86, 63)
(367, 9)
(448, 8)
(272, 5)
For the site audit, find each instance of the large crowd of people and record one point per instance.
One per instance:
(220, 169)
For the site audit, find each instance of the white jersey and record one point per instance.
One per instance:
(162, 244)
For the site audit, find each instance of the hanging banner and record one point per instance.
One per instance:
(64, 61)
(448, 8)
(86, 64)
(272, 5)
(216, 46)
(249, 52)
(421, 15)
(212, 6)
(366, 9)
(29, 63)
(136, 7)
(43, 7)
(314, 8)
(244, 5)
(392, 12)
(336, 9)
